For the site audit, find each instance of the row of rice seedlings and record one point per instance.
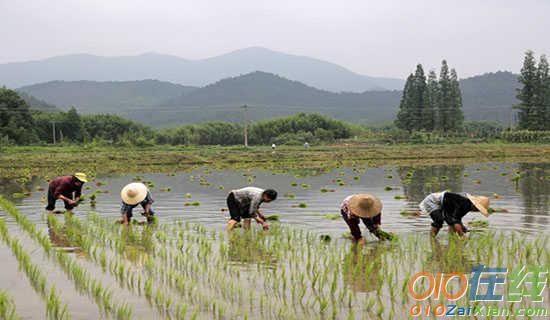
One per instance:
(280, 284)
(54, 308)
(93, 242)
(171, 278)
(82, 280)
(7, 307)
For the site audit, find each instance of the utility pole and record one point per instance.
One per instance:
(245, 108)
(53, 131)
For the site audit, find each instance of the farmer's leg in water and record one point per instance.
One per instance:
(51, 202)
(126, 213)
(148, 212)
(353, 224)
(437, 221)
(234, 211)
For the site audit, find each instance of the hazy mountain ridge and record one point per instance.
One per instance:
(486, 97)
(106, 97)
(311, 71)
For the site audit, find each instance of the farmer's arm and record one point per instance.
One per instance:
(62, 197)
(260, 219)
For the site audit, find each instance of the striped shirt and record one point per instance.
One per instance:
(345, 206)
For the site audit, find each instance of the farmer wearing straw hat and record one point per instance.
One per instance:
(451, 207)
(132, 195)
(66, 188)
(367, 208)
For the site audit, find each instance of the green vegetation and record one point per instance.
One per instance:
(534, 95)
(7, 306)
(431, 104)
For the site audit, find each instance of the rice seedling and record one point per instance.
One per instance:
(7, 306)
(305, 186)
(166, 189)
(294, 184)
(289, 195)
(399, 197)
(273, 217)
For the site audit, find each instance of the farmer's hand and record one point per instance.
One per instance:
(361, 242)
(265, 226)
(72, 202)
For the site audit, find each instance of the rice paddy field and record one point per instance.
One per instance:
(186, 266)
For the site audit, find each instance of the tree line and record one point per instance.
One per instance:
(534, 96)
(429, 103)
(22, 126)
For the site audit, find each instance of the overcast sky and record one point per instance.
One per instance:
(379, 38)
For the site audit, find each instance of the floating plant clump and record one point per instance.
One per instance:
(332, 216)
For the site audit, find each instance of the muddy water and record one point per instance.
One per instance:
(526, 200)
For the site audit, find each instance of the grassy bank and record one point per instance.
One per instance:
(25, 162)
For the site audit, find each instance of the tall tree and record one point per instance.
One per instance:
(456, 116)
(527, 95)
(16, 122)
(542, 107)
(419, 98)
(429, 115)
(444, 105)
(404, 115)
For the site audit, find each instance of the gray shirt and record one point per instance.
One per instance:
(249, 195)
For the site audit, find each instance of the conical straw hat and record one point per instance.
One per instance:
(365, 205)
(481, 203)
(133, 193)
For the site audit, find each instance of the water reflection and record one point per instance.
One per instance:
(421, 181)
(362, 267)
(534, 186)
(447, 258)
(248, 247)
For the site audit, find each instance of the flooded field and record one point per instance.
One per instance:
(187, 266)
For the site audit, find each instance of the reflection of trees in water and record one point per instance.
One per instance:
(248, 248)
(418, 182)
(534, 186)
(10, 186)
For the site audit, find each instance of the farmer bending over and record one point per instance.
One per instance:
(132, 195)
(451, 207)
(245, 203)
(66, 188)
(367, 208)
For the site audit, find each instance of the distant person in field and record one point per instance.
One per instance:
(367, 208)
(135, 194)
(66, 188)
(451, 207)
(245, 204)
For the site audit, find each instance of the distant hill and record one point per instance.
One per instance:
(313, 72)
(106, 97)
(490, 96)
(37, 104)
(486, 97)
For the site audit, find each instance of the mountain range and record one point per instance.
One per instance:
(486, 97)
(310, 71)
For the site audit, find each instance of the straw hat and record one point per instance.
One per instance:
(81, 177)
(481, 203)
(365, 205)
(133, 193)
